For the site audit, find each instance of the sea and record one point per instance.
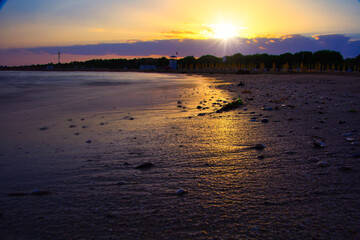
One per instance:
(17, 82)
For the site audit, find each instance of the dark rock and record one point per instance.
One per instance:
(265, 120)
(72, 126)
(356, 155)
(318, 144)
(43, 128)
(261, 157)
(181, 192)
(131, 118)
(201, 114)
(259, 146)
(323, 164)
(88, 141)
(145, 166)
(341, 122)
(37, 192)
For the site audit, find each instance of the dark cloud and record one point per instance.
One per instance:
(195, 47)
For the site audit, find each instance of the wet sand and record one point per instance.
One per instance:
(92, 189)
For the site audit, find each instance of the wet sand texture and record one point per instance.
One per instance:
(285, 165)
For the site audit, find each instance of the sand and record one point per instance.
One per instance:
(56, 184)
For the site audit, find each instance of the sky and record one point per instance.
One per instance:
(32, 32)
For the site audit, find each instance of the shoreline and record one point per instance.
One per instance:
(290, 188)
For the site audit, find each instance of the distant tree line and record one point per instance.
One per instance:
(323, 59)
(311, 60)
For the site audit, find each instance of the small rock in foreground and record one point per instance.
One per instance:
(37, 192)
(323, 164)
(144, 166)
(318, 144)
(259, 146)
(181, 192)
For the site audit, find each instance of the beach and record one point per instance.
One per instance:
(71, 157)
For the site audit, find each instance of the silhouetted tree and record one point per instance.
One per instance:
(208, 59)
(187, 60)
(328, 57)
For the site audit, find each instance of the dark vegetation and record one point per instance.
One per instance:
(231, 106)
(323, 58)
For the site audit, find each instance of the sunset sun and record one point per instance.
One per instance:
(224, 30)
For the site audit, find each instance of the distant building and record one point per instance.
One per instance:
(147, 67)
(173, 62)
(50, 67)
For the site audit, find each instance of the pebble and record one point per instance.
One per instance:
(350, 139)
(88, 141)
(181, 192)
(318, 144)
(43, 128)
(38, 192)
(144, 166)
(323, 164)
(265, 120)
(259, 146)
